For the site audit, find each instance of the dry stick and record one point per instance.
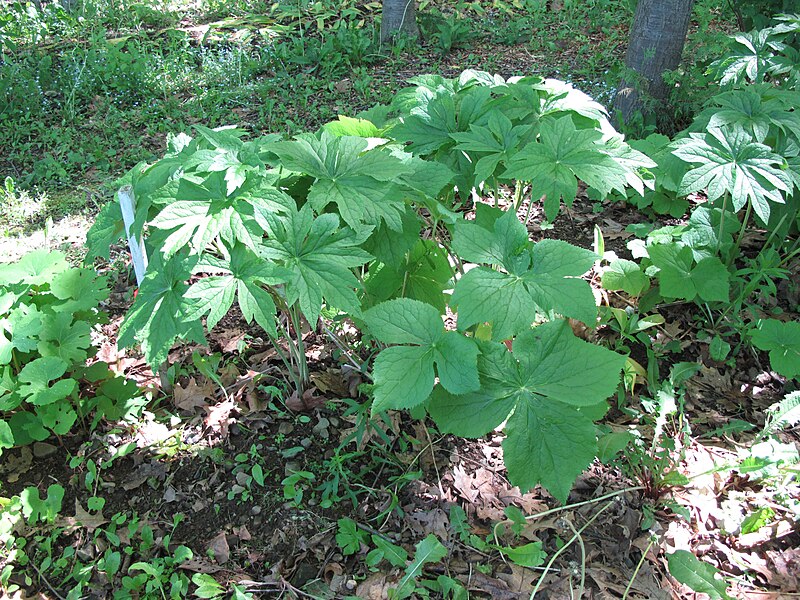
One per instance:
(567, 545)
(47, 583)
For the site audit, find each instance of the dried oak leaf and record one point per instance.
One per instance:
(193, 395)
(84, 519)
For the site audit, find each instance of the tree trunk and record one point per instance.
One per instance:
(656, 42)
(398, 16)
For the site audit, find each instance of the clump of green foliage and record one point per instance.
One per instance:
(334, 219)
(47, 311)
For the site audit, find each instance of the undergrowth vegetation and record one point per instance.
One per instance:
(401, 235)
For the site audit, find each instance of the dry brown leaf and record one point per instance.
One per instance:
(374, 587)
(242, 533)
(84, 519)
(199, 565)
(193, 395)
(219, 417)
(306, 403)
(219, 548)
(229, 339)
(786, 569)
(151, 432)
(15, 465)
(354, 378)
(229, 374)
(331, 381)
(433, 521)
(507, 586)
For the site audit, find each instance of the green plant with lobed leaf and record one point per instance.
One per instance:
(47, 310)
(358, 218)
(740, 158)
(529, 130)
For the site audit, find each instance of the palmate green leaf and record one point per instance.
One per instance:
(486, 295)
(669, 170)
(563, 155)
(36, 377)
(6, 436)
(61, 337)
(107, 229)
(548, 389)
(492, 144)
(427, 177)
(730, 161)
(680, 277)
(752, 56)
(59, 417)
(158, 315)
(319, 255)
(354, 127)
(543, 279)
(404, 375)
(782, 340)
(389, 246)
(81, 289)
(204, 210)
(359, 181)
(24, 323)
(35, 268)
(702, 235)
(755, 109)
(27, 428)
(625, 275)
(429, 123)
(243, 273)
(495, 238)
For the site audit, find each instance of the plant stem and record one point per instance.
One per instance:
(563, 548)
(286, 360)
(574, 505)
(636, 570)
(722, 221)
(738, 243)
(299, 346)
(583, 558)
(518, 195)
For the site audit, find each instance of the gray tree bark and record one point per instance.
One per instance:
(399, 16)
(656, 42)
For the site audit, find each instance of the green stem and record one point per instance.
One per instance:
(738, 243)
(300, 349)
(567, 545)
(636, 570)
(286, 360)
(774, 231)
(574, 505)
(722, 221)
(517, 195)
